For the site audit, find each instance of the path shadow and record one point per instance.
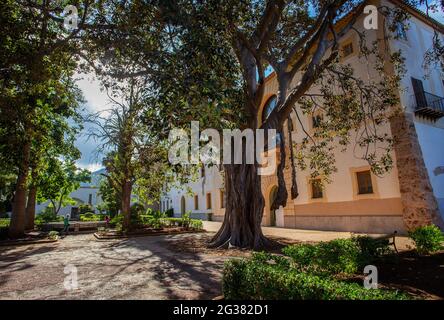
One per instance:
(13, 259)
(178, 273)
(414, 273)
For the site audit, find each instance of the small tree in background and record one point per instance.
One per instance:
(135, 155)
(58, 181)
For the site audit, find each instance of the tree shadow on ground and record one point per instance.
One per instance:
(13, 259)
(414, 273)
(182, 275)
(14, 254)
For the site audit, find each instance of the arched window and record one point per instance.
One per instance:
(269, 107)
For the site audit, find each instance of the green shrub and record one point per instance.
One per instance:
(428, 239)
(196, 224)
(53, 235)
(118, 219)
(47, 216)
(84, 208)
(89, 216)
(4, 222)
(372, 248)
(272, 279)
(137, 209)
(145, 219)
(186, 220)
(157, 220)
(186, 223)
(170, 213)
(337, 256)
(340, 255)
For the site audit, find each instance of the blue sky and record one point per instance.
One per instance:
(96, 100)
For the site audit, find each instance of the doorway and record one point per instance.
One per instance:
(182, 206)
(273, 194)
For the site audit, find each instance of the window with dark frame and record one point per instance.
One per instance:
(316, 121)
(222, 199)
(364, 180)
(208, 201)
(316, 189)
(347, 49)
(196, 202)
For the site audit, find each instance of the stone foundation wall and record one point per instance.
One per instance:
(419, 203)
(359, 224)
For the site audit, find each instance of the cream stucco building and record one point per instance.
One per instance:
(356, 200)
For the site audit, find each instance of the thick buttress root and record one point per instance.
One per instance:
(244, 210)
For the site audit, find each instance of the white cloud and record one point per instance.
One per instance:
(96, 100)
(91, 166)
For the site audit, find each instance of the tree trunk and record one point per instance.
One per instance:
(17, 226)
(126, 204)
(244, 209)
(30, 208)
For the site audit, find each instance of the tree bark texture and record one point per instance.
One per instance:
(244, 209)
(126, 204)
(17, 225)
(30, 208)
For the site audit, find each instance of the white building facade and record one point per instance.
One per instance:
(87, 193)
(356, 200)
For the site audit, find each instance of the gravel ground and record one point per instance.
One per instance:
(137, 268)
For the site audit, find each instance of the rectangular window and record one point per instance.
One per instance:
(316, 189)
(90, 199)
(222, 199)
(208, 201)
(347, 49)
(196, 202)
(418, 90)
(364, 179)
(316, 121)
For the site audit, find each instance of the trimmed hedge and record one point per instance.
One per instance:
(89, 216)
(47, 216)
(158, 220)
(337, 256)
(4, 222)
(180, 222)
(270, 278)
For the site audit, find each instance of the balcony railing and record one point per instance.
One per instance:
(429, 105)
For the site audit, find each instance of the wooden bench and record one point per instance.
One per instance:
(391, 237)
